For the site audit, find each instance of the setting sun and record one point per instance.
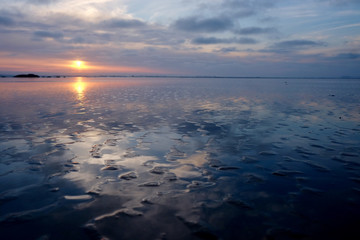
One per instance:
(78, 64)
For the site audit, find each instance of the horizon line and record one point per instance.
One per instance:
(178, 76)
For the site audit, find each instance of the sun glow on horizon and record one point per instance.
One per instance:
(78, 64)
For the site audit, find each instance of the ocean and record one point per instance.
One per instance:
(179, 158)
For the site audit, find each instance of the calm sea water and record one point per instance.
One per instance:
(157, 158)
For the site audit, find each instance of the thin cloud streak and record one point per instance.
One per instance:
(291, 44)
(356, 25)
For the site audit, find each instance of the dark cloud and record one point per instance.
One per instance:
(81, 40)
(351, 56)
(79, 37)
(246, 41)
(209, 40)
(227, 50)
(46, 34)
(123, 23)
(255, 30)
(6, 21)
(10, 17)
(214, 40)
(194, 24)
(226, 15)
(297, 44)
(33, 22)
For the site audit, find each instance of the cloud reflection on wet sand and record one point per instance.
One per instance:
(219, 159)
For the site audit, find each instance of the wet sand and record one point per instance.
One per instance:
(148, 158)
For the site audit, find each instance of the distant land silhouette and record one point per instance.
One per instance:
(30, 75)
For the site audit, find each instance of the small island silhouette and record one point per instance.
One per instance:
(30, 75)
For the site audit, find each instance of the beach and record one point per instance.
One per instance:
(179, 158)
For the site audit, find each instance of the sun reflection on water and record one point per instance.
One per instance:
(79, 87)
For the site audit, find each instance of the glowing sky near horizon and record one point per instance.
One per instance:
(181, 37)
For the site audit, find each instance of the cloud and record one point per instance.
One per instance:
(255, 30)
(123, 23)
(10, 16)
(46, 34)
(6, 21)
(351, 56)
(209, 40)
(224, 16)
(295, 44)
(227, 50)
(214, 40)
(247, 41)
(289, 48)
(194, 24)
(354, 25)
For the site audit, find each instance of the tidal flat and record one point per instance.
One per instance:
(179, 158)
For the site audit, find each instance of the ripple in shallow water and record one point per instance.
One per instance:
(211, 160)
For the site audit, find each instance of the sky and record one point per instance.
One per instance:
(250, 38)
